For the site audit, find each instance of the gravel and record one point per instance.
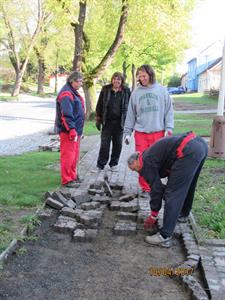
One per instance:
(22, 144)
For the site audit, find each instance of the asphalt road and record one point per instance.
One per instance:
(24, 124)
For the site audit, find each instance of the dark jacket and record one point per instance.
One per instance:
(69, 110)
(157, 162)
(103, 100)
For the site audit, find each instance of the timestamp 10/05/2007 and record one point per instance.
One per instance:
(165, 271)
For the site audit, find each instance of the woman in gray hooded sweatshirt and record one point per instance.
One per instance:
(149, 115)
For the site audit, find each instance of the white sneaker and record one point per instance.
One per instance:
(97, 170)
(158, 240)
(114, 169)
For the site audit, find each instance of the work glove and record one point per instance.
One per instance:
(98, 125)
(151, 220)
(72, 135)
(127, 139)
(168, 133)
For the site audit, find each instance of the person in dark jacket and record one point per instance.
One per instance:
(180, 157)
(70, 113)
(111, 112)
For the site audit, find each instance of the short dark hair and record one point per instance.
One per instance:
(149, 70)
(119, 75)
(133, 157)
(74, 76)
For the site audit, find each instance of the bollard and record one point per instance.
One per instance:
(217, 139)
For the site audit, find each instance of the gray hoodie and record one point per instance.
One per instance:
(150, 110)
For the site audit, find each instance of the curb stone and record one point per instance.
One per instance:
(210, 268)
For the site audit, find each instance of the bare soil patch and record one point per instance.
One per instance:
(112, 267)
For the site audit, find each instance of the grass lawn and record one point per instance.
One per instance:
(24, 180)
(90, 128)
(199, 123)
(209, 203)
(8, 98)
(195, 98)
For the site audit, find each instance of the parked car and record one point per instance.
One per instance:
(176, 90)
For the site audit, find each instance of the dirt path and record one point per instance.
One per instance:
(112, 267)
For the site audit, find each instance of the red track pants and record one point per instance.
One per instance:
(142, 142)
(69, 157)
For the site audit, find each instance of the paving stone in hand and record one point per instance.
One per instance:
(142, 215)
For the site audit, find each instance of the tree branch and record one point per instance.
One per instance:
(105, 62)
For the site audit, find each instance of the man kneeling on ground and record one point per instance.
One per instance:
(180, 157)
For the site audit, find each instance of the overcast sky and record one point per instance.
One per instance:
(208, 26)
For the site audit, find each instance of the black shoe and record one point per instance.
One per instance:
(78, 179)
(71, 184)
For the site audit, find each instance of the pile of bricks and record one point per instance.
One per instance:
(81, 214)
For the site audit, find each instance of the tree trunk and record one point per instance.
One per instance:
(56, 71)
(41, 75)
(18, 82)
(79, 37)
(133, 77)
(124, 71)
(90, 97)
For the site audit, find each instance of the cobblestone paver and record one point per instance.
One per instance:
(131, 209)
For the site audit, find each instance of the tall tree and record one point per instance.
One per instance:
(82, 50)
(24, 21)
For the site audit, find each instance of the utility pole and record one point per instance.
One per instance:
(217, 139)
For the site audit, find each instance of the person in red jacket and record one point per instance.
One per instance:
(70, 114)
(180, 157)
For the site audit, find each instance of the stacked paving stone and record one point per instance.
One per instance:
(80, 215)
(52, 145)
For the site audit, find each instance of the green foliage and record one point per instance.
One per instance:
(160, 37)
(174, 80)
(21, 251)
(156, 32)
